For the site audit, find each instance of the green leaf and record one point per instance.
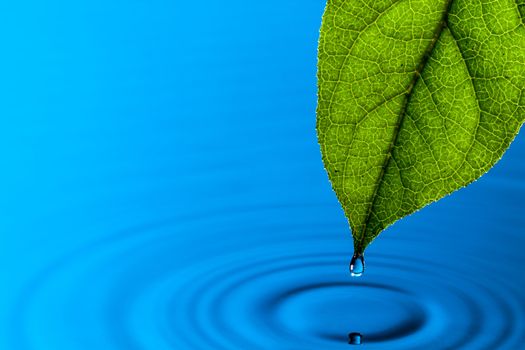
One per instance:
(417, 98)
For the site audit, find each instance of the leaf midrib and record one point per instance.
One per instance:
(359, 248)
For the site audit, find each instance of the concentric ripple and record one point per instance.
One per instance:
(300, 302)
(295, 293)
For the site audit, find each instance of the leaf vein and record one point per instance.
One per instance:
(428, 52)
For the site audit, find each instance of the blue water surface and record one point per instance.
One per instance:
(161, 188)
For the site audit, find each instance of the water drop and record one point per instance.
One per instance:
(357, 265)
(355, 338)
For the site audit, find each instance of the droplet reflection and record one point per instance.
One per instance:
(357, 265)
(355, 338)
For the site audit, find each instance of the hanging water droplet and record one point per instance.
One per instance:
(355, 338)
(357, 265)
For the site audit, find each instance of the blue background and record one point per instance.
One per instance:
(161, 188)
